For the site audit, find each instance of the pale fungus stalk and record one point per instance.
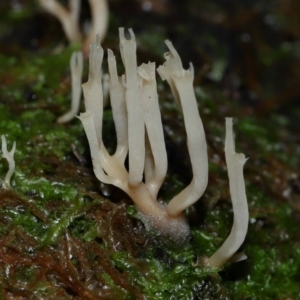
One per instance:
(9, 156)
(76, 66)
(140, 137)
(156, 161)
(235, 163)
(181, 82)
(100, 14)
(136, 128)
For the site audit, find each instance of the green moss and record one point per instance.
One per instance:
(85, 229)
(271, 277)
(118, 292)
(175, 277)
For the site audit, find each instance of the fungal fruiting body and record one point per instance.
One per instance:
(69, 19)
(235, 163)
(139, 130)
(9, 156)
(76, 66)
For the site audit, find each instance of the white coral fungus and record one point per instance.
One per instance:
(76, 66)
(69, 19)
(235, 163)
(139, 130)
(9, 155)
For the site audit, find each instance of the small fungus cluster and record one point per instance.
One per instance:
(140, 137)
(69, 19)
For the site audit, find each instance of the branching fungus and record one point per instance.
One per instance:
(140, 136)
(69, 18)
(9, 155)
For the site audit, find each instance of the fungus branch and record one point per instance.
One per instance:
(155, 155)
(235, 163)
(181, 82)
(76, 65)
(136, 129)
(118, 104)
(100, 13)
